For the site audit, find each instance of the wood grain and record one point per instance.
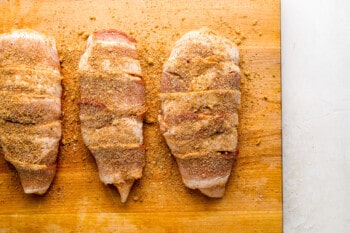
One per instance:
(77, 201)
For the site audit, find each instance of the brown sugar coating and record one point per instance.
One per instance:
(200, 98)
(30, 107)
(112, 107)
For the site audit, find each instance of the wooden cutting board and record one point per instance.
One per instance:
(77, 201)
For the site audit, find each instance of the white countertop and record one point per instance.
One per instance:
(316, 115)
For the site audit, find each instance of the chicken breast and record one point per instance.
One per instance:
(30, 107)
(112, 107)
(199, 100)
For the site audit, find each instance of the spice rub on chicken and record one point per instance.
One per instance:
(112, 107)
(30, 107)
(199, 102)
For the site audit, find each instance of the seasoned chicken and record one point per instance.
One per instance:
(30, 107)
(200, 98)
(112, 107)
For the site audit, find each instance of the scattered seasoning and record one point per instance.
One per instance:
(64, 141)
(150, 62)
(85, 36)
(61, 59)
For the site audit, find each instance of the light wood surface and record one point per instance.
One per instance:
(77, 201)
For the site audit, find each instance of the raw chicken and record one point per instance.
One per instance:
(112, 107)
(200, 98)
(30, 107)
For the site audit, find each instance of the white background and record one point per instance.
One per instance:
(316, 115)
